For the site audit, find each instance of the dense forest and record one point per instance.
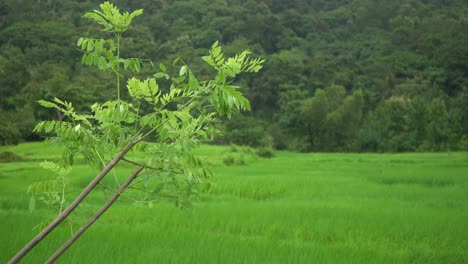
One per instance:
(340, 75)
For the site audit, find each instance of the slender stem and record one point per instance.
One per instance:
(118, 66)
(95, 217)
(39, 237)
(160, 195)
(104, 164)
(62, 201)
(114, 190)
(118, 85)
(139, 164)
(71, 226)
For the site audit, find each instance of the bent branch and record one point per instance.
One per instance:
(95, 217)
(39, 237)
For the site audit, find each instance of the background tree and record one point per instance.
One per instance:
(369, 46)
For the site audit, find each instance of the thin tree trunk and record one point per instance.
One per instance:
(95, 217)
(39, 237)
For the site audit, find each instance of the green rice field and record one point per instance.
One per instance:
(291, 208)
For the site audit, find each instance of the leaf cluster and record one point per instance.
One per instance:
(111, 19)
(176, 117)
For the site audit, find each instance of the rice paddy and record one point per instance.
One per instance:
(292, 208)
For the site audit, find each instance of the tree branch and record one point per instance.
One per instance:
(95, 217)
(39, 237)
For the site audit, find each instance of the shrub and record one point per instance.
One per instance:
(239, 155)
(9, 134)
(245, 130)
(8, 156)
(265, 152)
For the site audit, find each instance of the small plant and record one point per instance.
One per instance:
(265, 152)
(182, 116)
(229, 160)
(233, 148)
(8, 156)
(239, 155)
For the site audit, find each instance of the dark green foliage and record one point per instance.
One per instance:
(265, 152)
(332, 118)
(245, 130)
(410, 49)
(8, 156)
(9, 128)
(239, 155)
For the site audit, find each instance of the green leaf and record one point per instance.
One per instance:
(58, 101)
(183, 70)
(160, 75)
(209, 60)
(136, 13)
(136, 65)
(162, 67)
(102, 63)
(145, 120)
(96, 60)
(126, 63)
(39, 127)
(90, 46)
(153, 86)
(89, 59)
(97, 18)
(193, 82)
(215, 45)
(48, 126)
(173, 121)
(47, 104)
(179, 79)
(175, 61)
(84, 44)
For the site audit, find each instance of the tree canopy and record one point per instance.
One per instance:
(341, 75)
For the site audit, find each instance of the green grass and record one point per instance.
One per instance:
(293, 208)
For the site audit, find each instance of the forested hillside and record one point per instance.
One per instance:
(340, 75)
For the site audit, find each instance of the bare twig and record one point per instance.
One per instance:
(140, 164)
